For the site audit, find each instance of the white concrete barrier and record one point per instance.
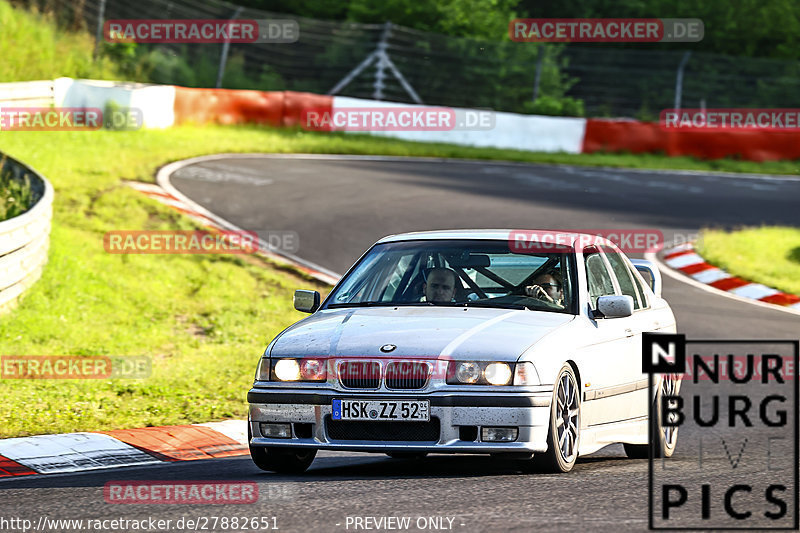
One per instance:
(511, 130)
(156, 102)
(24, 239)
(26, 94)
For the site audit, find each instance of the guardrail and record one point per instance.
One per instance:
(27, 94)
(24, 239)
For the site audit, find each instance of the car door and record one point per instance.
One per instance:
(611, 369)
(643, 319)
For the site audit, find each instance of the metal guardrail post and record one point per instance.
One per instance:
(223, 56)
(101, 14)
(538, 77)
(679, 80)
(380, 66)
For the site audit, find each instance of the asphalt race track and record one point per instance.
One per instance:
(339, 207)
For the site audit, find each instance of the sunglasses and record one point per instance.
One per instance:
(548, 285)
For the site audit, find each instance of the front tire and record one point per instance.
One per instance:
(280, 460)
(563, 435)
(665, 437)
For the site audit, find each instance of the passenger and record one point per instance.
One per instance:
(547, 287)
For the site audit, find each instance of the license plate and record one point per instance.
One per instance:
(392, 410)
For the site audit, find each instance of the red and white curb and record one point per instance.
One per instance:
(77, 452)
(167, 194)
(686, 260)
(157, 193)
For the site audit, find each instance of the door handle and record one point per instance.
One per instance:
(629, 332)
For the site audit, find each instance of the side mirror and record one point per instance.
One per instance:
(306, 301)
(650, 273)
(614, 306)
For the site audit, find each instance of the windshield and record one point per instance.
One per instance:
(458, 273)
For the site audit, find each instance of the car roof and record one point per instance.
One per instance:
(493, 234)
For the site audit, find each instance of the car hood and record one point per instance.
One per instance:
(471, 333)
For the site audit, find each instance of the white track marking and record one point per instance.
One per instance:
(72, 452)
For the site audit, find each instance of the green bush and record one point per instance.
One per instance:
(550, 105)
(16, 196)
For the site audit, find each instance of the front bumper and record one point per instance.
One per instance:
(527, 411)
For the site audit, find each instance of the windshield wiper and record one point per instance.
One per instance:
(376, 304)
(491, 305)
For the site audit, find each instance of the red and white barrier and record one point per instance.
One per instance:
(753, 144)
(165, 105)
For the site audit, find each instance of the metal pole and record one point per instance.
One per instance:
(537, 78)
(380, 66)
(397, 74)
(382, 62)
(353, 73)
(223, 58)
(679, 80)
(101, 15)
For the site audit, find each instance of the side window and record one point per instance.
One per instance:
(598, 279)
(623, 276)
(639, 287)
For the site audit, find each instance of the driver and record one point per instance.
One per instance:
(547, 287)
(440, 286)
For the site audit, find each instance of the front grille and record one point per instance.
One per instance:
(407, 375)
(382, 431)
(360, 374)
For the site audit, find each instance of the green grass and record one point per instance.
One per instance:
(204, 320)
(33, 48)
(768, 255)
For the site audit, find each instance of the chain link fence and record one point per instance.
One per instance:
(406, 65)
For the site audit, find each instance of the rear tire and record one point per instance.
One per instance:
(280, 460)
(563, 436)
(665, 437)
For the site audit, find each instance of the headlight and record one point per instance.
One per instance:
(312, 370)
(468, 372)
(498, 373)
(299, 370)
(287, 370)
(479, 373)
